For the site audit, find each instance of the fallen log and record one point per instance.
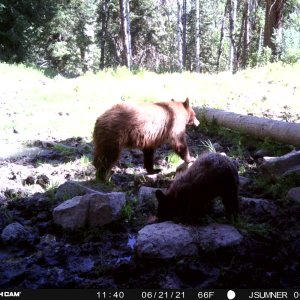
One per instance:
(280, 131)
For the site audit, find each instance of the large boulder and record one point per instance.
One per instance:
(71, 214)
(217, 236)
(70, 189)
(104, 208)
(168, 240)
(165, 240)
(93, 209)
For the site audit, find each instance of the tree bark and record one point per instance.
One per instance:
(222, 36)
(183, 20)
(232, 5)
(125, 32)
(197, 37)
(273, 23)
(245, 33)
(104, 17)
(283, 132)
(179, 35)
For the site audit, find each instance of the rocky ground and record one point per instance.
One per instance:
(51, 236)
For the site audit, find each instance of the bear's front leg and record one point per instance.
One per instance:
(148, 161)
(180, 147)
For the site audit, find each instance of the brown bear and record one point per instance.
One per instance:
(145, 126)
(191, 193)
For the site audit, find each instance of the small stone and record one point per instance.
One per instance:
(80, 264)
(15, 233)
(294, 195)
(244, 181)
(43, 180)
(147, 199)
(258, 207)
(29, 180)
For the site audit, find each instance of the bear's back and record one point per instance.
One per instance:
(209, 171)
(143, 125)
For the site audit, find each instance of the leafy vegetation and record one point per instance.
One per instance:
(277, 188)
(245, 225)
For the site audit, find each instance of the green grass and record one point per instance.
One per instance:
(40, 106)
(245, 225)
(173, 160)
(277, 188)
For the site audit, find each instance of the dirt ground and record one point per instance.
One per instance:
(45, 256)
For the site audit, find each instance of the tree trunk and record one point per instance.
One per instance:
(104, 17)
(128, 34)
(184, 49)
(222, 36)
(197, 37)
(125, 32)
(273, 24)
(179, 35)
(283, 132)
(245, 34)
(232, 5)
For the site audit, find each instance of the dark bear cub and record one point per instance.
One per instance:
(192, 192)
(145, 126)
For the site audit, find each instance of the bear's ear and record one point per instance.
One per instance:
(172, 100)
(160, 196)
(186, 103)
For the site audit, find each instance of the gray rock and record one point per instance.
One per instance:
(16, 233)
(294, 195)
(147, 199)
(217, 236)
(69, 190)
(80, 264)
(72, 213)
(244, 181)
(43, 180)
(257, 207)
(168, 240)
(100, 211)
(165, 240)
(283, 165)
(94, 209)
(116, 201)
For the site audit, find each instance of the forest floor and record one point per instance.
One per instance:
(46, 125)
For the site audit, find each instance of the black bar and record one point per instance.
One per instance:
(148, 294)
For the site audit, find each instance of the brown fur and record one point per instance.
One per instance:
(192, 192)
(144, 126)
